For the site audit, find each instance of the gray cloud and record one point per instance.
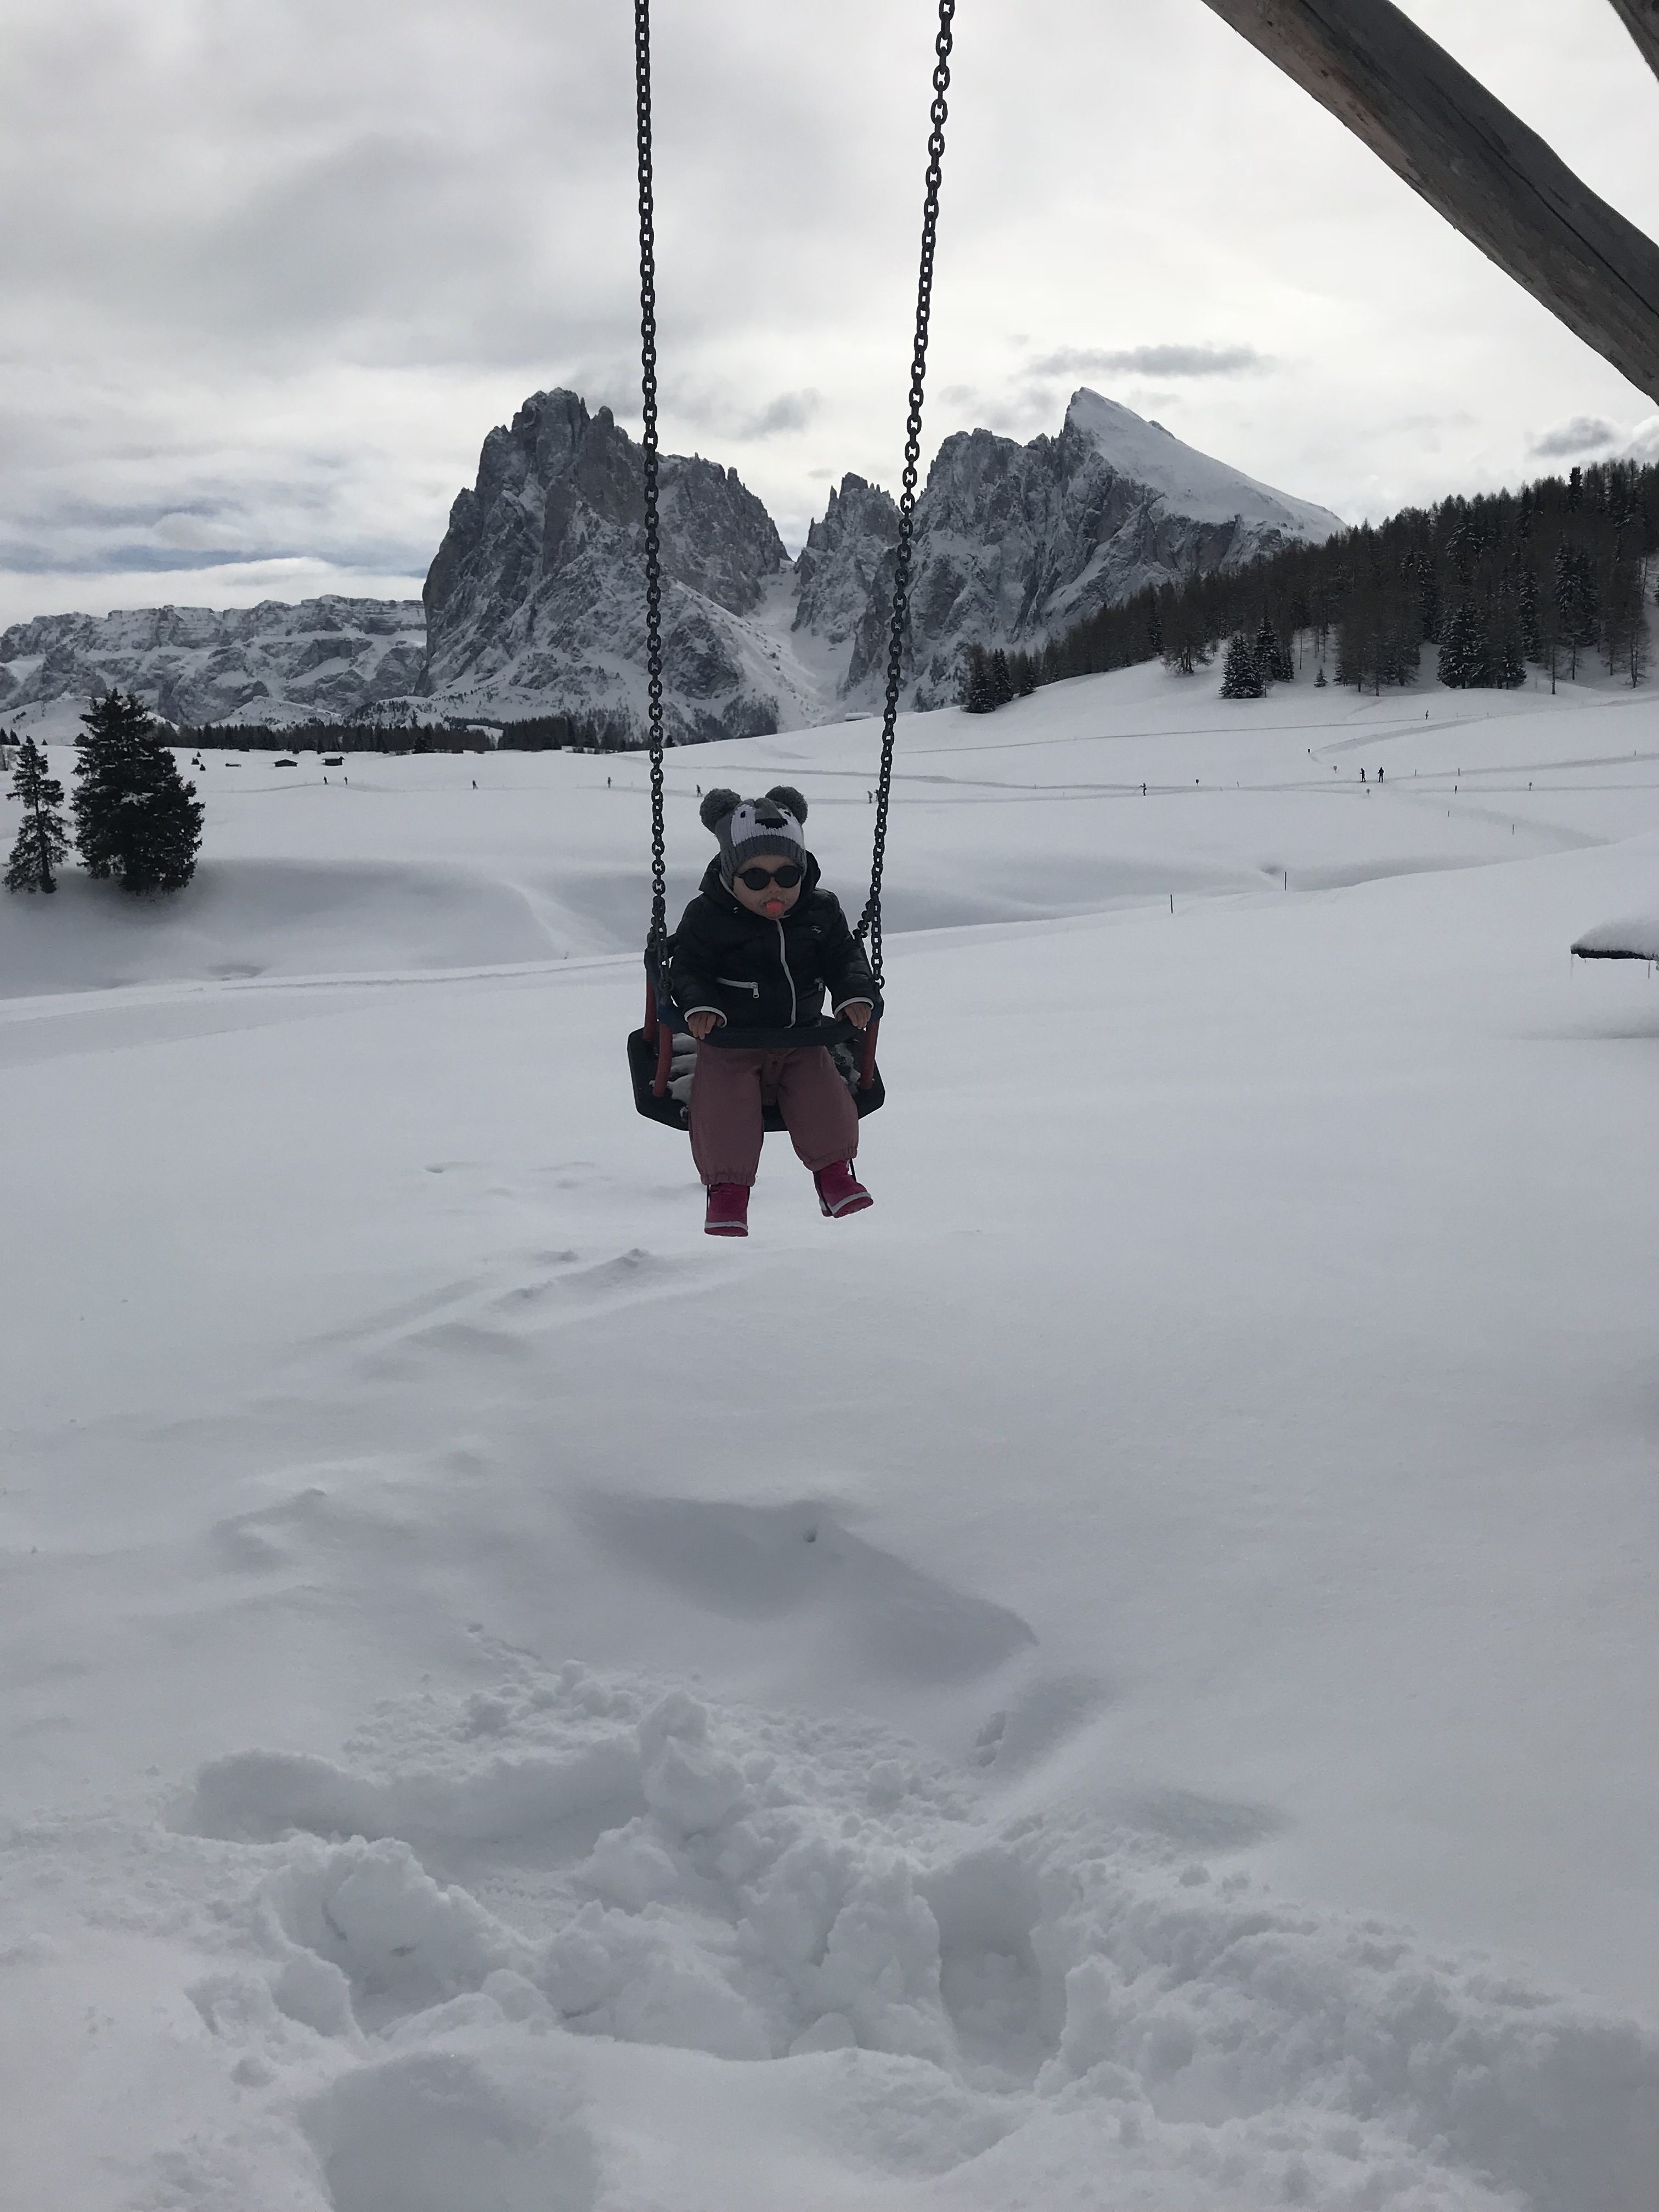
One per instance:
(790, 411)
(52, 560)
(1584, 434)
(733, 416)
(1153, 361)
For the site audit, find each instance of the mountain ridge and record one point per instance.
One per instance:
(534, 602)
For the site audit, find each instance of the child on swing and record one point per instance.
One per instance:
(756, 949)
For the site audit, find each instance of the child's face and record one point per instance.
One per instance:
(772, 902)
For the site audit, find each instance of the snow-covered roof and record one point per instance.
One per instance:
(1637, 939)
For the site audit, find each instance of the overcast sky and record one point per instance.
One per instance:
(271, 271)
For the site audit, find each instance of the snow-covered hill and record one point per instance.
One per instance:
(1118, 1678)
(535, 603)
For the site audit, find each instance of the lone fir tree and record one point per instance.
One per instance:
(136, 818)
(1243, 677)
(42, 840)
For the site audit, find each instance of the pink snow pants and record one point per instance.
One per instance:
(729, 1091)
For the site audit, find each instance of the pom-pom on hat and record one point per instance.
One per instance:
(746, 827)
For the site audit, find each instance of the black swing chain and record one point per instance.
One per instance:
(658, 936)
(869, 923)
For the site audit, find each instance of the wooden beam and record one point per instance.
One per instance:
(1641, 20)
(1475, 162)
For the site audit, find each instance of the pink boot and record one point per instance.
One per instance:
(839, 1190)
(729, 1210)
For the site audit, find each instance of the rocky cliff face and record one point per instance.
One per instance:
(536, 595)
(330, 658)
(1014, 543)
(837, 568)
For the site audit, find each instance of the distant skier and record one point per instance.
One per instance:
(757, 949)
(1362, 776)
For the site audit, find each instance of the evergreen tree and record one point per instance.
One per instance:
(1187, 646)
(1506, 651)
(42, 840)
(135, 819)
(1359, 638)
(1575, 599)
(1463, 655)
(1624, 616)
(1532, 627)
(1319, 680)
(1242, 676)
(1002, 683)
(1549, 637)
(1272, 654)
(973, 686)
(1154, 629)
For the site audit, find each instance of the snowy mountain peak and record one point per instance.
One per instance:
(1191, 483)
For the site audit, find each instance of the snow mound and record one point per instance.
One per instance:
(458, 2127)
(248, 918)
(975, 2002)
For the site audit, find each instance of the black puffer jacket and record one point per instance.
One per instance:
(764, 974)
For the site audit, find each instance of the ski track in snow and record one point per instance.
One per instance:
(905, 1835)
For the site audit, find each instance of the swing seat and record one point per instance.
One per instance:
(662, 1080)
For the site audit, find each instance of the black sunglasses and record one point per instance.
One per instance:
(756, 880)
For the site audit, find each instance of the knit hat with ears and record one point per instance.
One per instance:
(746, 827)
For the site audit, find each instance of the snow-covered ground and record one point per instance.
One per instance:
(1124, 1678)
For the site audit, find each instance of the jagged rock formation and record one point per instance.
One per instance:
(538, 594)
(837, 568)
(1014, 543)
(535, 603)
(332, 658)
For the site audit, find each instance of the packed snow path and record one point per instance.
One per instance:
(1122, 1679)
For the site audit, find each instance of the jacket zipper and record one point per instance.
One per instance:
(784, 957)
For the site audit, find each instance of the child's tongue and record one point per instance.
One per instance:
(773, 908)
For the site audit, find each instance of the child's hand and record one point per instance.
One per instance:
(858, 1012)
(701, 1024)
